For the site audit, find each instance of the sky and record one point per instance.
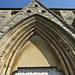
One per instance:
(47, 3)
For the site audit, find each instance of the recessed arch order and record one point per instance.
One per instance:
(54, 35)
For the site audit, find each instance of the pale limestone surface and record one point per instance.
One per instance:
(6, 16)
(68, 16)
(16, 30)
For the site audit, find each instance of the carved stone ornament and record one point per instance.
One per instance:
(35, 7)
(38, 26)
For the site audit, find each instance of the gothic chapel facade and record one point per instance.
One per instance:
(37, 41)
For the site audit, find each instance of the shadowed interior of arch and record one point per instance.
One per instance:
(36, 53)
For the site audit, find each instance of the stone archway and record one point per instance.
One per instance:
(48, 26)
(50, 31)
(36, 53)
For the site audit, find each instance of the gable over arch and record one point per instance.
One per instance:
(33, 8)
(61, 41)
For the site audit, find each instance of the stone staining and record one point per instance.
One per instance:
(11, 24)
(72, 55)
(5, 28)
(63, 43)
(68, 16)
(8, 45)
(29, 11)
(13, 38)
(35, 9)
(5, 15)
(32, 9)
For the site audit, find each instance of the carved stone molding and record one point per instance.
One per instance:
(35, 8)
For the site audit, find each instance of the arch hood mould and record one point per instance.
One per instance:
(35, 7)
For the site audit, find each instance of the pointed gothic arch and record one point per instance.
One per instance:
(56, 36)
(29, 27)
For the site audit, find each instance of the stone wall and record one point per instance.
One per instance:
(6, 15)
(67, 15)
